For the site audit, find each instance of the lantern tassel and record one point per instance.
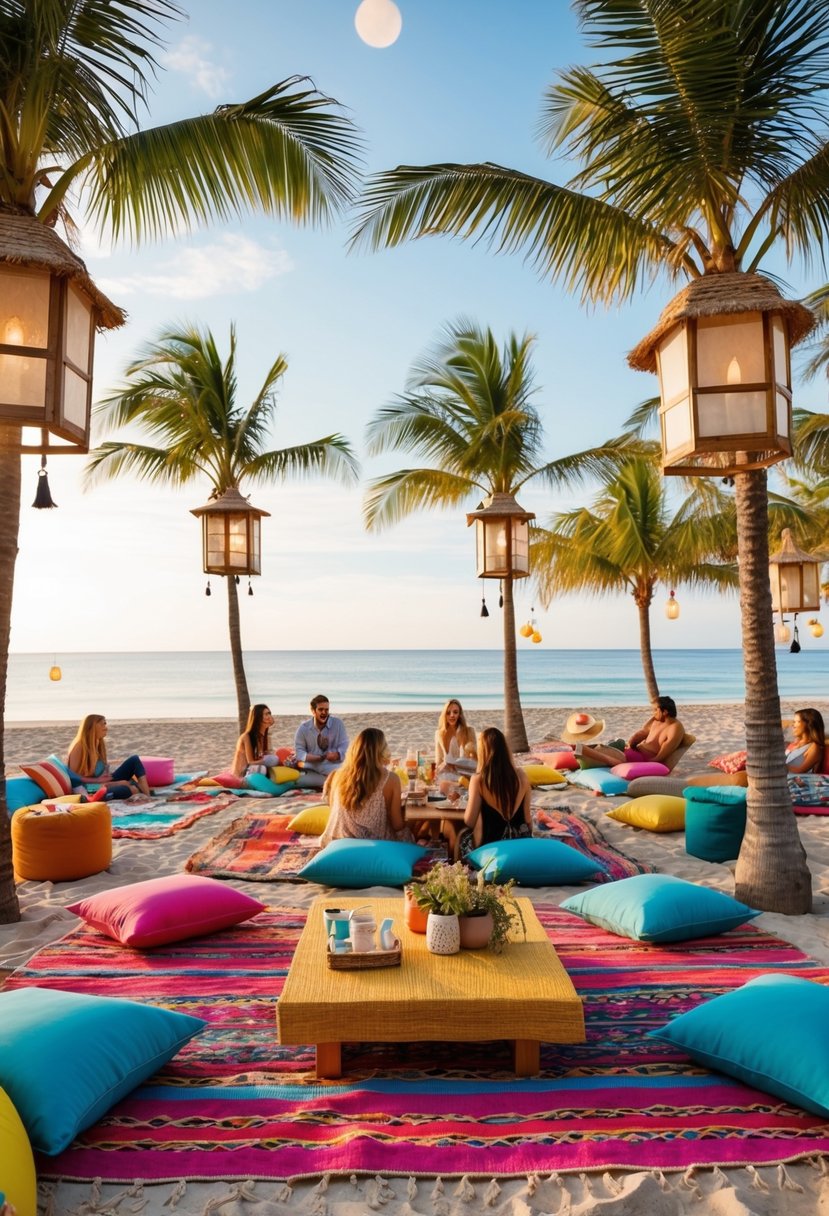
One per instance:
(236, 579)
(250, 588)
(795, 646)
(484, 609)
(43, 499)
(500, 594)
(207, 590)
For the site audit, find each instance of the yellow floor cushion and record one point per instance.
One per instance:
(17, 1167)
(543, 774)
(61, 845)
(311, 820)
(654, 812)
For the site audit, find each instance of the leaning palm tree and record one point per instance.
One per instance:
(74, 82)
(701, 139)
(468, 412)
(632, 538)
(183, 394)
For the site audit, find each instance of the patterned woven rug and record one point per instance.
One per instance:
(151, 822)
(259, 848)
(233, 1104)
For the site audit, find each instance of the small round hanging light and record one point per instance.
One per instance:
(55, 672)
(815, 628)
(672, 606)
(526, 631)
(782, 633)
(536, 636)
(378, 22)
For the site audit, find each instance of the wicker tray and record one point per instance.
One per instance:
(364, 960)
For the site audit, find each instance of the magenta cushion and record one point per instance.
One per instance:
(166, 909)
(731, 762)
(640, 768)
(229, 780)
(159, 769)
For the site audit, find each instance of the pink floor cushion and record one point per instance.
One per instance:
(640, 768)
(167, 909)
(564, 761)
(229, 781)
(811, 810)
(160, 770)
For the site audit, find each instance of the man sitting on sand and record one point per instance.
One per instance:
(657, 740)
(320, 745)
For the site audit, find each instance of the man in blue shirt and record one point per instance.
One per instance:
(319, 744)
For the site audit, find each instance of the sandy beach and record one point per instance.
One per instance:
(801, 1189)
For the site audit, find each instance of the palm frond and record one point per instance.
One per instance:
(391, 498)
(331, 456)
(109, 460)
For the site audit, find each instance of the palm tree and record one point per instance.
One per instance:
(631, 539)
(184, 395)
(701, 143)
(468, 412)
(74, 79)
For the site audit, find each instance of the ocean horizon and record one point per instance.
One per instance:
(199, 684)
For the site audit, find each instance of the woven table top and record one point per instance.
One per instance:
(524, 992)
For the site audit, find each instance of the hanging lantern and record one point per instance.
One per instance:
(672, 607)
(782, 633)
(55, 672)
(536, 636)
(794, 577)
(49, 312)
(526, 631)
(231, 534)
(721, 350)
(815, 628)
(502, 533)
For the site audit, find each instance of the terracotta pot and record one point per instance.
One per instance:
(415, 917)
(475, 931)
(443, 936)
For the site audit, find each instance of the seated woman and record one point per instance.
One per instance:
(363, 795)
(805, 754)
(454, 743)
(499, 797)
(253, 749)
(87, 760)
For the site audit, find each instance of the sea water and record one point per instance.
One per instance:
(199, 684)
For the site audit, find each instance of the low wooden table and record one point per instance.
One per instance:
(523, 994)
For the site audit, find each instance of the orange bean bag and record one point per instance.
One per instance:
(60, 846)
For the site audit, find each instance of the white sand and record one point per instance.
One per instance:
(801, 1189)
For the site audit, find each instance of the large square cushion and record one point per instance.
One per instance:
(363, 863)
(715, 821)
(66, 1058)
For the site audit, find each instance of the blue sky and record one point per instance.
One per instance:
(119, 567)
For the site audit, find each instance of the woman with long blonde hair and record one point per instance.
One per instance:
(87, 761)
(455, 747)
(498, 807)
(363, 795)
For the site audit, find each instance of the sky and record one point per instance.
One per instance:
(118, 567)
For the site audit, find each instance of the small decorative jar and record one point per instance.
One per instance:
(443, 935)
(475, 931)
(414, 915)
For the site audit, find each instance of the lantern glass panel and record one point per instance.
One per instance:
(520, 546)
(78, 327)
(731, 414)
(730, 351)
(75, 392)
(23, 381)
(495, 547)
(774, 579)
(782, 414)
(780, 352)
(672, 362)
(215, 540)
(790, 588)
(24, 320)
(811, 586)
(237, 542)
(676, 422)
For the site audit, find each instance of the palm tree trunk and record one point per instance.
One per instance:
(10, 513)
(771, 871)
(643, 598)
(240, 679)
(515, 731)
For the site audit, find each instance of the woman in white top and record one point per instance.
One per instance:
(363, 795)
(805, 755)
(454, 741)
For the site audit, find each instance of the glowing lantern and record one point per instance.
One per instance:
(671, 607)
(815, 628)
(231, 540)
(55, 672)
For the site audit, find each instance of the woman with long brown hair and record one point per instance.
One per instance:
(253, 749)
(363, 795)
(499, 796)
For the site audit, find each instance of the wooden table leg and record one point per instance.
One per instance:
(526, 1055)
(329, 1060)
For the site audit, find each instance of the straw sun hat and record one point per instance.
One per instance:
(581, 728)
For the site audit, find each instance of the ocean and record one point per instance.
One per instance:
(199, 684)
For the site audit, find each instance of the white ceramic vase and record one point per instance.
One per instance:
(443, 935)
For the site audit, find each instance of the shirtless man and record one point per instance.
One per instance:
(659, 738)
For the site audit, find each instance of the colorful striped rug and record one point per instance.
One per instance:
(163, 818)
(259, 848)
(233, 1104)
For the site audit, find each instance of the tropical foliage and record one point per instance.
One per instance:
(700, 140)
(632, 538)
(75, 81)
(468, 412)
(183, 394)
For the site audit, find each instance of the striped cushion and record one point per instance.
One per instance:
(51, 779)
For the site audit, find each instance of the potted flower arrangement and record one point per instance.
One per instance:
(464, 909)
